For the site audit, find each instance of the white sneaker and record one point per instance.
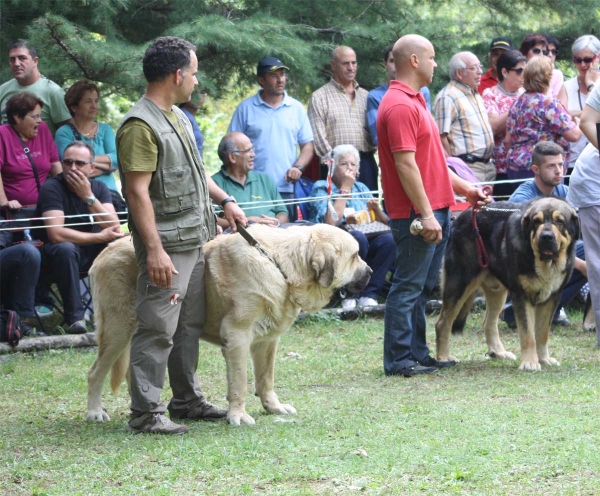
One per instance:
(365, 301)
(349, 303)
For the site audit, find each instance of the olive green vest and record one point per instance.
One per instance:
(183, 212)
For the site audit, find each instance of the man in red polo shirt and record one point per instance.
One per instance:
(416, 183)
(497, 47)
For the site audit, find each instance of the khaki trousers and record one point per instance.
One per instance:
(485, 172)
(169, 325)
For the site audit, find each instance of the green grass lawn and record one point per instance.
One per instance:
(482, 427)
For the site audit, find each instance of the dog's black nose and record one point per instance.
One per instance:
(546, 236)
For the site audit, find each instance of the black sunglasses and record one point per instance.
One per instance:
(554, 51)
(586, 60)
(518, 70)
(537, 51)
(79, 163)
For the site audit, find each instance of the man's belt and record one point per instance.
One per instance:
(467, 157)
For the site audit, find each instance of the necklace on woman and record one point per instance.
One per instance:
(92, 133)
(507, 93)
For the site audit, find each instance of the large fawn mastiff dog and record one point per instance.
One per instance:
(251, 300)
(531, 250)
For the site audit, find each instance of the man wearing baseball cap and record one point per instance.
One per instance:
(490, 78)
(277, 125)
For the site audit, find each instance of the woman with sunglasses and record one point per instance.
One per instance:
(558, 77)
(22, 173)
(575, 92)
(498, 100)
(536, 117)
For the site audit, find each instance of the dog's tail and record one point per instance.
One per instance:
(120, 370)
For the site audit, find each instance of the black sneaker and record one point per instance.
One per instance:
(415, 370)
(204, 411)
(429, 361)
(77, 327)
(154, 423)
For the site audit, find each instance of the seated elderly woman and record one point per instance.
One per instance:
(21, 173)
(349, 198)
(535, 117)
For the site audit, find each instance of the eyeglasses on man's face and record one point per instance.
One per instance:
(249, 150)
(537, 51)
(475, 68)
(518, 70)
(79, 163)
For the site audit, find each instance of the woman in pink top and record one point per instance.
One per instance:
(25, 131)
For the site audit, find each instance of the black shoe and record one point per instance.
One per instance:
(204, 411)
(415, 370)
(429, 361)
(561, 319)
(77, 327)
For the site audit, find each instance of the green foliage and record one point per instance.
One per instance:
(104, 40)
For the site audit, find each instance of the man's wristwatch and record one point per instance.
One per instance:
(227, 200)
(298, 167)
(90, 200)
(591, 87)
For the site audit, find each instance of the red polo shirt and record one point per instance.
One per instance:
(487, 81)
(405, 124)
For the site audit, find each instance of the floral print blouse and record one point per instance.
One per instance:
(535, 117)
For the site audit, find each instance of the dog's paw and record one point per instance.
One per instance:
(240, 419)
(100, 416)
(446, 358)
(283, 409)
(501, 354)
(530, 365)
(550, 361)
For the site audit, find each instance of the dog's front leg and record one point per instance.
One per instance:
(263, 357)
(525, 316)
(495, 297)
(236, 343)
(543, 320)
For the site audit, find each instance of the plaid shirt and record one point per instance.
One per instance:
(336, 120)
(460, 112)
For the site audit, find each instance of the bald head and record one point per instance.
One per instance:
(343, 65)
(414, 59)
(228, 145)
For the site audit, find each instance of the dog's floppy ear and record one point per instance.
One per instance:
(526, 221)
(323, 263)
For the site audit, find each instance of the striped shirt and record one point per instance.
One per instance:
(460, 112)
(337, 120)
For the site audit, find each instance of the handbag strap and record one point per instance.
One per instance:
(76, 133)
(33, 166)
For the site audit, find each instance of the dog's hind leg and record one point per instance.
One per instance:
(495, 297)
(458, 325)
(543, 319)
(263, 357)
(456, 293)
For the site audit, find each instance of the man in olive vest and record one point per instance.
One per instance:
(170, 218)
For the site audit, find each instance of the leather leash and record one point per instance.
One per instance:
(252, 241)
(482, 257)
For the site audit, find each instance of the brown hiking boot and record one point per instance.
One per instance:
(154, 423)
(204, 411)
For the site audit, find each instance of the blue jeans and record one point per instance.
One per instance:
(417, 270)
(378, 253)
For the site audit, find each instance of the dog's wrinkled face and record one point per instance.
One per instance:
(551, 225)
(338, 264)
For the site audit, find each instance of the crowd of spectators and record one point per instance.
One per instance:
(58, 159)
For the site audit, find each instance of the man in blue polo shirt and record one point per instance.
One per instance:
(277, 124)
(548, 168)
(375, 96)
(254, 192)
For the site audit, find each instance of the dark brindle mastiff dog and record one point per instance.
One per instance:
(531, 249)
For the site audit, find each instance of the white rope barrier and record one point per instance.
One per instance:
(246, 206)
